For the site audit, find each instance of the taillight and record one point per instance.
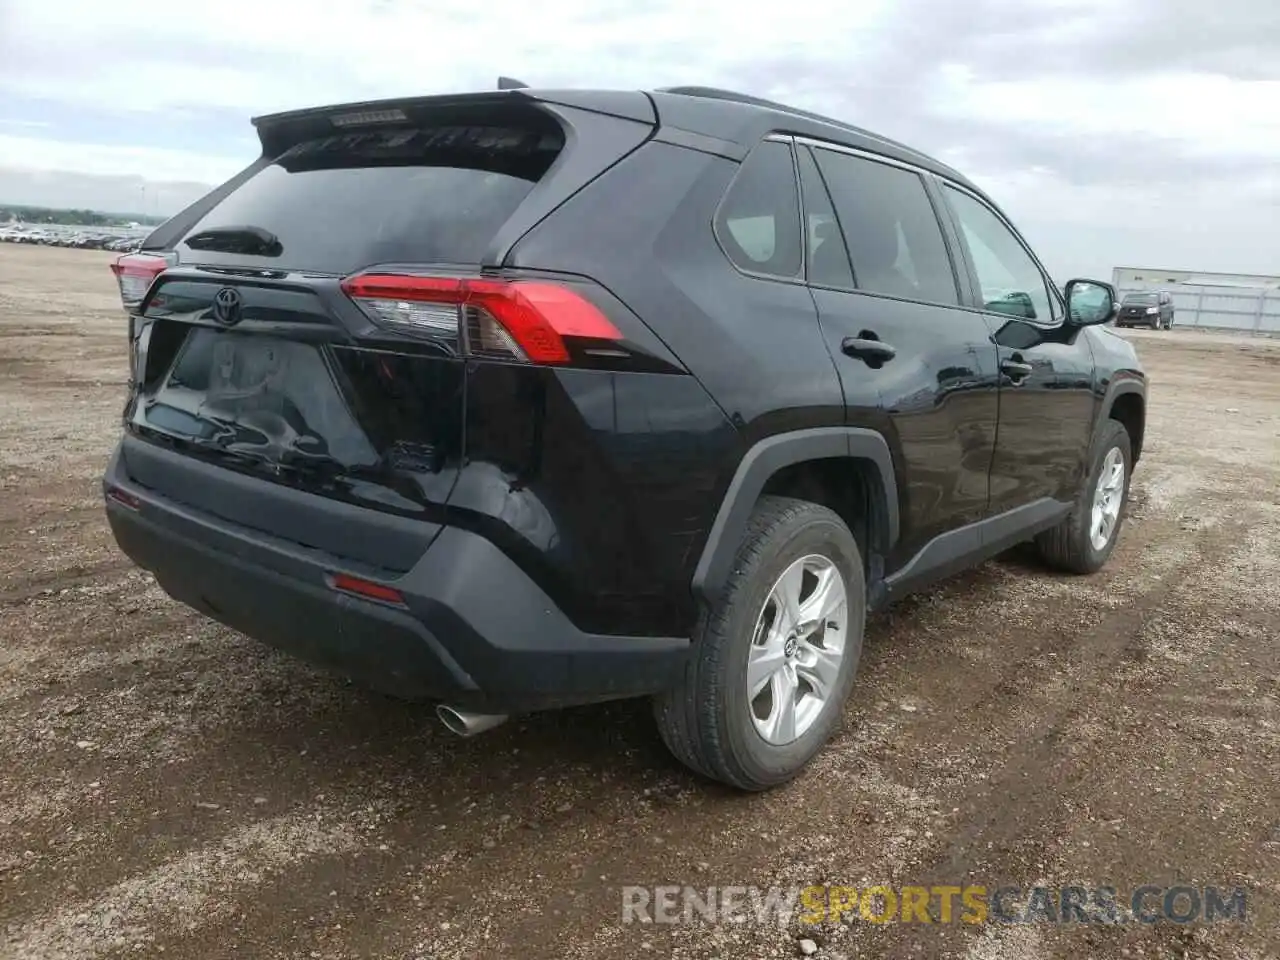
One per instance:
(135, 273)
(523, 320)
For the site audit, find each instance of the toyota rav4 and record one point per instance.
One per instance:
(524, 399)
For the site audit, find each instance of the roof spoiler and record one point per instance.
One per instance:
(279, 131)
(508, 104)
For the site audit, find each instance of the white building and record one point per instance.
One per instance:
(1202, 298)
(1136, 278)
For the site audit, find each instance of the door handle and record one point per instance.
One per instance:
(869, 349)
(1016, 370)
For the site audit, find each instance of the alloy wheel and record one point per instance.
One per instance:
(797, 649)
(1107, 499)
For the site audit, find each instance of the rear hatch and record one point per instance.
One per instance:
(314, 324)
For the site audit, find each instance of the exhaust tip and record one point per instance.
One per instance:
(452, 720)
(467, 724)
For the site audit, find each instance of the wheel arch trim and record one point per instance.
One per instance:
(764, 459)
(1121, 385)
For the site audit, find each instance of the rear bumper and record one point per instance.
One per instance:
(473, 628)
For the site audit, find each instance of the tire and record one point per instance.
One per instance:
(1070, 545)
(708, 720)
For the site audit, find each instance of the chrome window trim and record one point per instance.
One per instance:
(946, 181)
(958, 304)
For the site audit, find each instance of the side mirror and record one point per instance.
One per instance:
(1090, 302)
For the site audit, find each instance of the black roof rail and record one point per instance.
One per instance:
(732, 96)
(715, 93)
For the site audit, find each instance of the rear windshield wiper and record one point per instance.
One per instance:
(253, 241)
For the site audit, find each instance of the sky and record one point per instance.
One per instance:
(1113, 132)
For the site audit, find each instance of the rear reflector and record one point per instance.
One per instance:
(124, 498)
(369, 589)
(523, 320)
(135, 273)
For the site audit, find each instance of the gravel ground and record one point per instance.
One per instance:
(168, 787)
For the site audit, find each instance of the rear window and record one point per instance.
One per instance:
(339, 203)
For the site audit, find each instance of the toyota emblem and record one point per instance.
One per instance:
(226, 306)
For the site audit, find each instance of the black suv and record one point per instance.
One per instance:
(1154, 310)
(524, 399)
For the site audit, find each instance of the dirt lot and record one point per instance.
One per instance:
(169, 787)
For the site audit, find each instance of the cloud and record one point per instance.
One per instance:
(1078, 115)
(1207, 115)
(258, 56)
(159, 163)
(121, 194)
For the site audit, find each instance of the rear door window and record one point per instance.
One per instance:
(759, 220)
(339, 203)
(890, 227)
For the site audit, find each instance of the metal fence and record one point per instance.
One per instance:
(1250, 309)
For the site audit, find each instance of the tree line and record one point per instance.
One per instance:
(85, 218)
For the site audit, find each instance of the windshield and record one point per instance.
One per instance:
(1140, 298)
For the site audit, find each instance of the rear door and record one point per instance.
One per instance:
(913, 362)
(277, 348)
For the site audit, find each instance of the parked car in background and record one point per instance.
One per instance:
(1152, 309)
(65, 235)
(522, 399)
